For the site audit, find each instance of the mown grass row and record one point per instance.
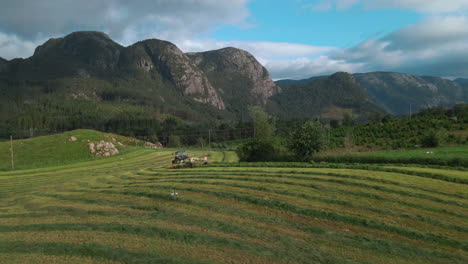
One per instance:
(302, 173)
(463, 179)
(285, 180)
(346, 204)
(375, 159)
(280, 205)
(341, 179)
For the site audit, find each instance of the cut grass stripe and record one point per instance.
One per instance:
(382, 246)
(333, 217)
(351, 183)
(383, 212)
(345, 166)
(89, 250)
(335, 190)
(338, 175)
(184, 237)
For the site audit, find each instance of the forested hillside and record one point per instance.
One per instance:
(334, 97)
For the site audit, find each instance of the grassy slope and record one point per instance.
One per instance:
(119, 210)
(57, 149)
(436, 156)
(441, 153)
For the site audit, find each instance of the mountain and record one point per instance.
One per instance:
(85, 79)
(168, 60)
(461, 81)
(241, 78)
(3, 64)
(331, 97)
(398, 93)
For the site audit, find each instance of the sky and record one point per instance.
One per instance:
(293, 39)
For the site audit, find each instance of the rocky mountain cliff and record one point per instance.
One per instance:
(168, 60)
(236, 73)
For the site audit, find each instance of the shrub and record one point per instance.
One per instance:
(433, 138)
(307, 140)
(256, 150)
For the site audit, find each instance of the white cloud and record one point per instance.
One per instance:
(304, 67)
(424, 6)
(283, 60)
(28, 21)
(171, 19)
(436, 46)
(434, 32)
(13, 47)
(262, 49)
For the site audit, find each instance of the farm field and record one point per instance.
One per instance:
(446, 156)
(120, 210)
(439, 152)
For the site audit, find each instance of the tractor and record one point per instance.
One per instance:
(182, 160)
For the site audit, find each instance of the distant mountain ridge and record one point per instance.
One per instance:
(400, 93)
(331, 97)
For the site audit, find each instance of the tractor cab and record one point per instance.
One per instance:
(180, 156)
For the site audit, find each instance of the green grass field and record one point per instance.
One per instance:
(451, 156)
(58, 149)
(440, 152)
(120, 210)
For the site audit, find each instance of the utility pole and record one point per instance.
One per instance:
(11, 150)
(209, 138)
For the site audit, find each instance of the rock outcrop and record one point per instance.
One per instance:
(153, 145)
(102, 149)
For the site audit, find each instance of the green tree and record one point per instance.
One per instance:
(174, 141)
(261, 147)
(264, 125)
(434, 138)
(308, 139)
(201, 142)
